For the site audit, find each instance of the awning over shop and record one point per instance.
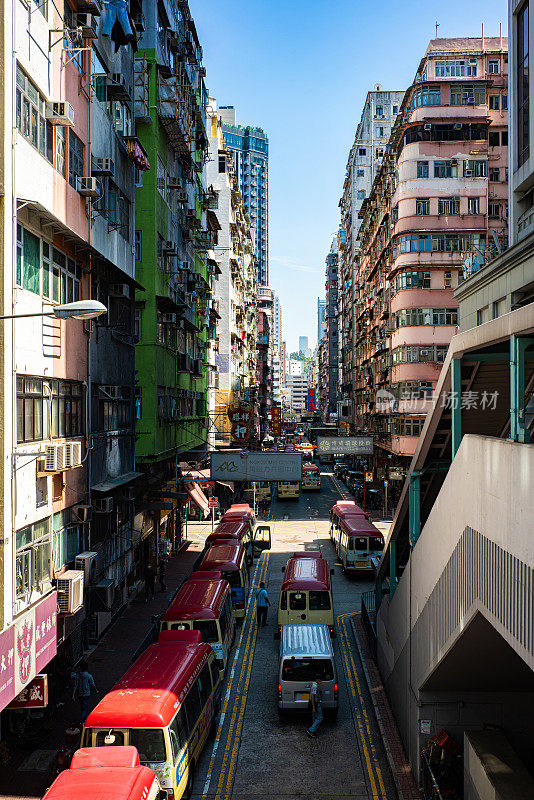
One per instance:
(197, 496)
(110, 484)
(196, 475)
(228, 484)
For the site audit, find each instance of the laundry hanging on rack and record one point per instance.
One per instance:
(117, 24)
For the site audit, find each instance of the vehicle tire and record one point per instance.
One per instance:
(190, 781)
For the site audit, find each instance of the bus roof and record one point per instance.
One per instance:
(307, 467)
(345, 508)
(357, 525)
(150, 692)
(198, 600)
(242, 510)
(307, 554)
(111, 772)
(307, 573)
(228, 555)
(234, 528)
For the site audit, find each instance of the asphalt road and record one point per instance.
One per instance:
(257, 755)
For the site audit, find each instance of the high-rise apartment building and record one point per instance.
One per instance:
(331, 333)
(321, 319)
(249, 147)
(372, 134)
(439, 198)
(303, 346)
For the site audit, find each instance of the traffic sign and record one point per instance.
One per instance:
(369, 477)
(386, 484)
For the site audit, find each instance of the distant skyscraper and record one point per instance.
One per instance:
(250, 149)
(321, 319)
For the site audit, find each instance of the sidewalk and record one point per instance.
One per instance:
(398, 763)
(28, 773)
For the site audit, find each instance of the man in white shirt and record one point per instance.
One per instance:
(317, 711)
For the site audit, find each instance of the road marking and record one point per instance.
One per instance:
(251, 599)
(233, 739)
(360, 715)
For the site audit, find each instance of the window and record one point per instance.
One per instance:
(426, 96)
(493, 138)
(113, 405)
(41, 401)
(193, 706)
(74, 53)
(494, 174)
(494, 102)
(419, 353)
(178, 734)
(61, 150)
(504, 138)
(475, 169)
(30, 116)
(379, 152)
(493, 67)
(124, 216)
(456, 69)
(495, 310)
(395, 109)
(412, 280)
(360, 173)
(504, 104)
(422, 169)
(462, 95)
(360, 194)
(34, 557)
(494, 211)
(523, 112)
(362, 151)
(473, 205)
(161, 178)
(481, 316)
(425, 316)
(422, 207)
(447, 279)
(445, 169)
(379, 132)
(306, 669)
(204, 681)
(149, 743)
(320, 601)
(379, 111)
(76, 159)
(138, 245)
(449, 205)
(222, 163)
(407, 426)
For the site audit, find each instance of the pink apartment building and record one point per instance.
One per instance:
(440, 199)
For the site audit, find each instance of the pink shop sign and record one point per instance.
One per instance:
(26, 647)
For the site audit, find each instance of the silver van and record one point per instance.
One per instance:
(306, 651)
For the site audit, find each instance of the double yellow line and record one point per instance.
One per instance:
(359, 713)
(237, 714)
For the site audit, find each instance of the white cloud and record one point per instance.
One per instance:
(290, 263)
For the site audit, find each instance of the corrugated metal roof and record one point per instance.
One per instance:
(306, 640)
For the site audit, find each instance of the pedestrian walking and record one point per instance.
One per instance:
(317, 711)
(262, 604)
(162, 565)
(83, 685)
(150, 583)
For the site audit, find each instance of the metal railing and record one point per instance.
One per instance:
(368, 609)
(429, 783)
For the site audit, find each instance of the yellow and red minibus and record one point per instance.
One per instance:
(311, 478)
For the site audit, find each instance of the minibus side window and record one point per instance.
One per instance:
(150, 744)
(297, 601)
(193, 706)
(87, 737)
(376, 543)
(320, 601)
(214, 672)
(178, 734)
(223, 622)
(117, 736)
(283, 601)
(232, 576)
(205, 684)
(208, 630)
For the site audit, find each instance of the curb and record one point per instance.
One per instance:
(385, 742)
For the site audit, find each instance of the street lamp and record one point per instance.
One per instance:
(80, 309)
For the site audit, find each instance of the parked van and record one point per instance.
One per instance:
(306, 594)
(305, 652)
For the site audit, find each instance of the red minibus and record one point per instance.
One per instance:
(111, 772)
(164, 706)
(204, 604)
(358, 542)
(229, 559)
(311, 478)
(306, 594)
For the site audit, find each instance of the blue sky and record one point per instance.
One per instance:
(301, 69)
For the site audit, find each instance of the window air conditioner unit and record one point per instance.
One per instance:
(427, 126)
(105, 591)
(82, 513)
(73, 455)
(87, 187)
(103, 166)
(86, 563)
(70, 591)
(60, 113)
(88, 25)
(54, 459)
(103, 505)
(119, 290)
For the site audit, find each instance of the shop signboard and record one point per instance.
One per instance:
(347, 445)
(240, 465)
(35, 695)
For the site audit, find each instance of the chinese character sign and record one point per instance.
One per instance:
(350, 445)
(311, 399)
(277, 421)
(35, 695)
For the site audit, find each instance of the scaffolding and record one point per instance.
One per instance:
(142, 90)
(176, 110)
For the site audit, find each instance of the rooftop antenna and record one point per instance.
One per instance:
(437, 26)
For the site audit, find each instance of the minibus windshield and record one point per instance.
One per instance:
(364, 543)
(149, 742)
(232, 576)
(320, 601)
(208, 630)
(307, 669)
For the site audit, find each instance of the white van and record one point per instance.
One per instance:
(306, 651)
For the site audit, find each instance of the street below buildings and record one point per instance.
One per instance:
(257, 755)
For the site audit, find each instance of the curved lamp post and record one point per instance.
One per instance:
(80, 309)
